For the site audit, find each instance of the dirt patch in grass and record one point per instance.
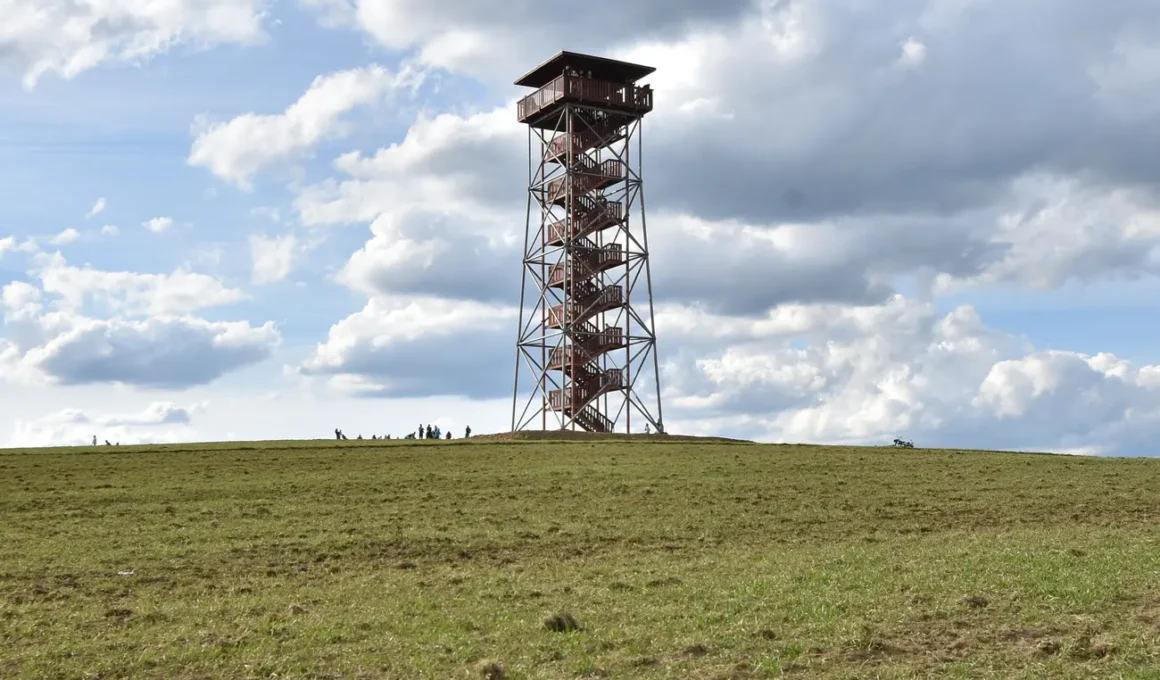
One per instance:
(562, 623)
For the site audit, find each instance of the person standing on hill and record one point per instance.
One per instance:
(467, 433)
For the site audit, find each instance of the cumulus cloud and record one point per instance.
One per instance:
(496, 38)
(182, 351)
(158, 224)
(237, 149)
(7, 243)
(273, 257)
(110, 230)
(421, 253)
(864, 375)
(65, 237)
(157, 413)
(68, 37)
(853, 135)
(97, 209)
(1065, 231)
(446, 210)
(160, 422)
(159, 352)
(50, 336)
(130, 293)
(416, 346)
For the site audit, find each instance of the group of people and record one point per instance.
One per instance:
(429, 432)
(433, 432)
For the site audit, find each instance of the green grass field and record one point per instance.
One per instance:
(677, 560)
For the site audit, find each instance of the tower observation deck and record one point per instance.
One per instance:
(586, 355)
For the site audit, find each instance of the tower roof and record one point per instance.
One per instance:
(602, 68)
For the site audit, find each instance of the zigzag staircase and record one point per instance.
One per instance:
(579, 275)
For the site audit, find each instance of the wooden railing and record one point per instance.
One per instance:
(630, 98)
(600, 342)
(589, 177)
(591, 214)
(585, 139)
(596, 385)
(593, 421)
(583, 353)
(583, 309)
(589, 345)
(587, 263)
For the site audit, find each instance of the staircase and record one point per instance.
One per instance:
(580, 274)
(579, 309)
(593, 421)
(588, 344)
(587, 386)
(588, 260)
(587, 135)
(587, 176)
(590, 214)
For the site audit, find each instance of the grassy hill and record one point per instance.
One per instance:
(676, 559)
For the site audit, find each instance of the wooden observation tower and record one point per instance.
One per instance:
(586, 344)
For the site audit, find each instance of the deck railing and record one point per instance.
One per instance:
(586, 308)
(585, 139)
(596, 385)
(591, 215)
(588, 347)
(573, 88)
(589, 177)
(586, 263)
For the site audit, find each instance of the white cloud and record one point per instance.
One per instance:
(51, 335)
(157, 413)
(273, 257)
(236, 150)
(487, 38)
(10, 244)
(131, 293)
(68, 37)
(160, 352)
(1065, 231)
(158, 224)
(110, 230)
(913, 53)
(65, 237)
(232, 412)
(467, 165)
(415, 345)
(160, 422)
(863, 375)
(97, 209)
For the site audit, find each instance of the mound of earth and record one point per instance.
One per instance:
(570, 436)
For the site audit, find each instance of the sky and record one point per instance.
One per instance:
(258, 219)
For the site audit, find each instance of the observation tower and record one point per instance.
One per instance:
(586, 356)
